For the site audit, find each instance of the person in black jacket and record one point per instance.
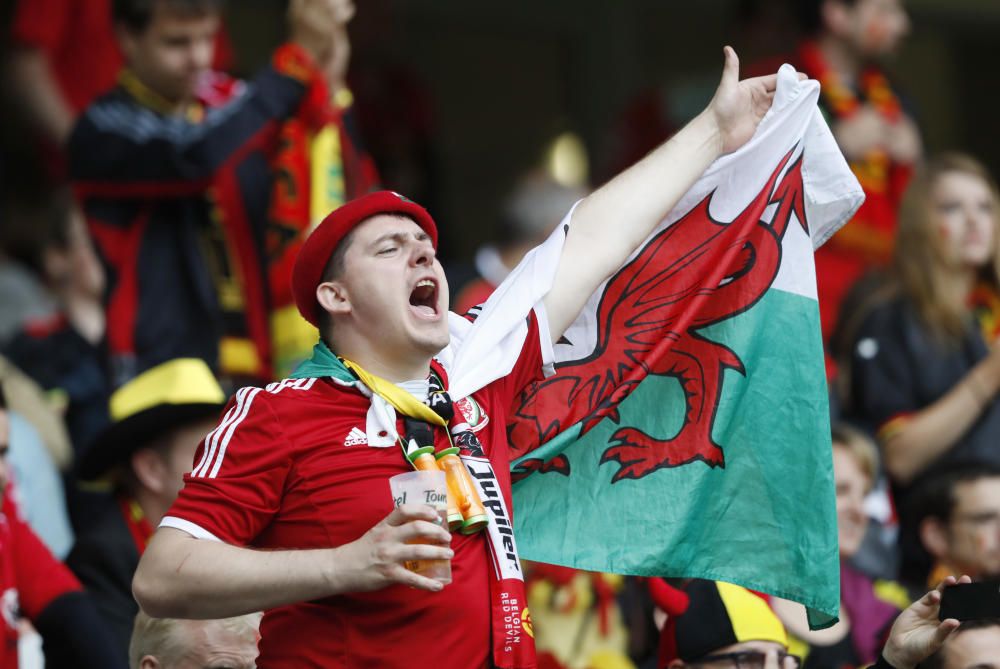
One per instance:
(173, 167)
(159, 418)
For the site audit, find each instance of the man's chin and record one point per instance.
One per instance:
(432, 345)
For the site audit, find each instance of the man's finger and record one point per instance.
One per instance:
(943, 631)
(404, 576)
(424, 530)
(405, 513)
(409, 552)
(731, 68)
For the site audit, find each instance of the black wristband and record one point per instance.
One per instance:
(882, 663)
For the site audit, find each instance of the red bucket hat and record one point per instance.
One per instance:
(317, 249)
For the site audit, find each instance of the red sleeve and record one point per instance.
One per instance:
(41, 23)
(39, 575)
(239, 473)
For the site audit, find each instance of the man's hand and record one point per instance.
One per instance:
(311, 24)
(738, 106)
(338, 58)
(861, 133)
(903, 141)
(917, 633)
(376, 560)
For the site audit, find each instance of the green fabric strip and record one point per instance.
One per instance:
(323, 363)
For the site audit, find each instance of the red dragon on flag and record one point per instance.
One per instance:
(694, 273)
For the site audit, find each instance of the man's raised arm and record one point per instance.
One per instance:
(611, 223)
(181, 576)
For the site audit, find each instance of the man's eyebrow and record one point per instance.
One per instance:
(398, 237)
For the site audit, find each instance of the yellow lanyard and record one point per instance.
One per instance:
(401, 400)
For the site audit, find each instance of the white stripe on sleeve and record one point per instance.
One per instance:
(211, 439)
(232, 428)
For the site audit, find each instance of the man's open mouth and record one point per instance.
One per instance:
(424, 297)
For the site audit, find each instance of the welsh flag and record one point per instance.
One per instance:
(686, 432)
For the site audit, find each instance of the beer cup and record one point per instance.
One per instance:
(429, 488)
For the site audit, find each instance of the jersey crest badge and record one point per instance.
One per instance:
(472, 413)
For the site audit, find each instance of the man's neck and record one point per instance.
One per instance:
(391, 370)
(147, 96)
(394, 368)
(841, 58)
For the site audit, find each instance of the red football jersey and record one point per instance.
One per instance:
(297, 465)
(30, 577)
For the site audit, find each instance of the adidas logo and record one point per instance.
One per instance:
(356, 437)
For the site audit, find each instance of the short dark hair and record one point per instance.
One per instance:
(3, 398)
(137, 14)
(934, 496)
(810, 14)
(936, 661)
(334, 270)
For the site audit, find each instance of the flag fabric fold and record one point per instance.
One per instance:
(686, 430)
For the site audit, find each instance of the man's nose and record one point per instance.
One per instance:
(422, 253)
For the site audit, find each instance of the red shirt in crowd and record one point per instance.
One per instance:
(30, 576)
(299, 465)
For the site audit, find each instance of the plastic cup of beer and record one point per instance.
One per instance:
(429, 488)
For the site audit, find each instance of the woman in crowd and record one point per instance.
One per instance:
(867, 608)
(924, 371)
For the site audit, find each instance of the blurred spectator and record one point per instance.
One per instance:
(36, 586)
(159, 419)
(167, 643)
(576, 618)
(39, 491)
(727, 625)
(923, 370)
(23, 295)
(974, 645)
(957, 512)
(867, 608)
(65, 352)
(65, 55)
(847, 42)
(29, 400)
(531, 212)
(172, 166)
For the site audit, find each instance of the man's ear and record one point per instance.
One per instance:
(149, 662)
(934, 537)
(333, 298)
(150, 469)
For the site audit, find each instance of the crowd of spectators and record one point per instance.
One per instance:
(146, 274)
